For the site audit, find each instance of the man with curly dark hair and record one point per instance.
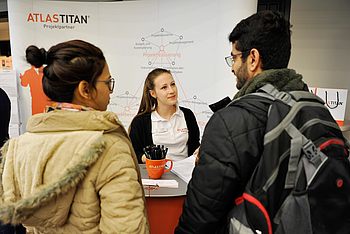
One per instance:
(233, 139)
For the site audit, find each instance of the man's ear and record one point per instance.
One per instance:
(254, 60)
(83, 90)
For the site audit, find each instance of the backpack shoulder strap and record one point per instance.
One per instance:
(296, 100)
(298, 95)
(305, 96)
(280, 95)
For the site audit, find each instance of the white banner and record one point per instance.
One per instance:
(335, 100)
(187, 37)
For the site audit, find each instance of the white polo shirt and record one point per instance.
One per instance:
(172, 133)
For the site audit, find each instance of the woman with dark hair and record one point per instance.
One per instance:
(161, 121)
(74, 170)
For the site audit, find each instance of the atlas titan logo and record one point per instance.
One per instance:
(57, 18)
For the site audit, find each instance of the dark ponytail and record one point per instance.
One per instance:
(68, 63)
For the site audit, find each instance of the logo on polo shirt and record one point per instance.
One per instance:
(182, 130)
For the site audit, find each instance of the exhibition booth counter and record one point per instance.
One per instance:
(164, 204)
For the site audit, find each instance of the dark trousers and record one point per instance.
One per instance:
(9, 229)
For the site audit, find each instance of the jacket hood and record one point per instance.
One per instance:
(76, 121)
(49, 161)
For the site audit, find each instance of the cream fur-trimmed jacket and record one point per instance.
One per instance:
(72, 172)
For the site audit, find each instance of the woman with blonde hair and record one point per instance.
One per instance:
(74, 170)
(161, 121)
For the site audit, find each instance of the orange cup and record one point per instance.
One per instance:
(156, 168)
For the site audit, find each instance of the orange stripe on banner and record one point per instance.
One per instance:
(340, 122)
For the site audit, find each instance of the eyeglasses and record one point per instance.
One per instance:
(110, 82)
(230, 60)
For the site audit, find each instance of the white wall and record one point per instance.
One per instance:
(321, 43)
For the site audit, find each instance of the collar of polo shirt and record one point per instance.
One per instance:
(156, 117)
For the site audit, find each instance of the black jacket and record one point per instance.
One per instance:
(5, 113)
(231, 147)
(141, 132)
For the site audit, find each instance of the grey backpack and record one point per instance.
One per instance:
(302, 181)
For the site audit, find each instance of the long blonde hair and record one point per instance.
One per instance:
(149, 103)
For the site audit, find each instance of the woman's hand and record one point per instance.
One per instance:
(143, 158)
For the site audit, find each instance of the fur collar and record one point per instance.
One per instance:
(283, 79)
